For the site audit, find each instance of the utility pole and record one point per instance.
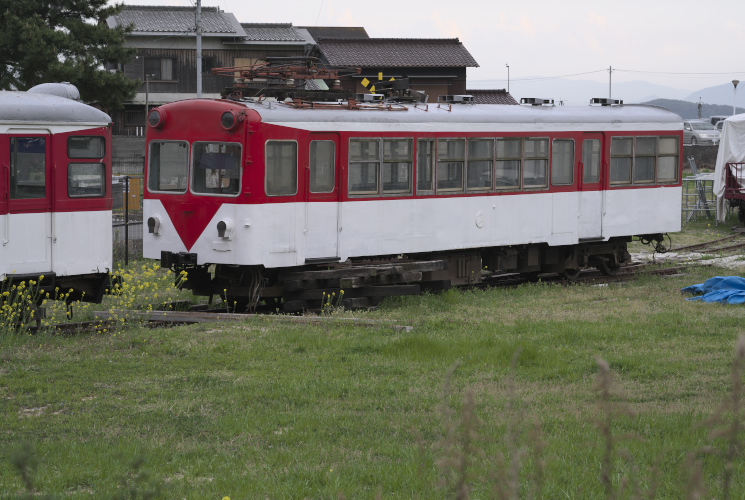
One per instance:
(508, 78)
(734, 96)
(610, 73)
(199, 48)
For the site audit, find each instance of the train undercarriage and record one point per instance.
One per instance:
(364, 283)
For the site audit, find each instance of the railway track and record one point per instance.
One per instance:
(714, 246)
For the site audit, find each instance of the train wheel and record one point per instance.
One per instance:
(607, 268)
(571, 274)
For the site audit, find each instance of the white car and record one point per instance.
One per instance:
(700, 132)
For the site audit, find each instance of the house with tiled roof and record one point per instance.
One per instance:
(491, 96)
(336, 31)
(166, 62)
(435, 66)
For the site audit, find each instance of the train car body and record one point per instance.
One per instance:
(262, 186)
(55, 212)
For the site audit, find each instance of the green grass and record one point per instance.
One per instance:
(270, 409)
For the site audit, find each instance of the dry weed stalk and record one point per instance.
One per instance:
(732, 409)
(610, 411)
(458, 442)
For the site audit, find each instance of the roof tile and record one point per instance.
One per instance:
(396, 52)
(174, 20)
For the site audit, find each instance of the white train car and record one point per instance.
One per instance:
(260, 189)
(55, 210)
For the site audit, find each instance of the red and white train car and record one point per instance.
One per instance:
(260, 188)
(55, 210)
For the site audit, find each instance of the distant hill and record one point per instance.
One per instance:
(689, 110)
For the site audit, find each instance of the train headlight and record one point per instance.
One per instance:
(225, 229)
(156, 118)
(153, 224)
(229, 120)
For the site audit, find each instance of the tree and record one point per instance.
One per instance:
(64, 40)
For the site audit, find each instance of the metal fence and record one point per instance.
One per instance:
(127, 219)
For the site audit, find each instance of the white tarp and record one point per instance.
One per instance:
(731, 150)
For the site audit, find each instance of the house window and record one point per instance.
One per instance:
(160, 69)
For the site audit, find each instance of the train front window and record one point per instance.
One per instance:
(28, 167)
(86, 147)
(86, 180)
(281, 168)
(169, 166)
(667, 161)
(216, 169)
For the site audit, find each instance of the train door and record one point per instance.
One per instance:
(322, 199)
(27, 238)
(591, 193)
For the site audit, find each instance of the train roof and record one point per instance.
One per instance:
(471, 117)
(29, 107)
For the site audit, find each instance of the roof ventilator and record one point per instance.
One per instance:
(460, 98)
(536, 101)
(606, 101)
(370, 97)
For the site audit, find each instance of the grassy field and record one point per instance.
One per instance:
(542, 391)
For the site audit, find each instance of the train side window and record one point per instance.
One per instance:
(28, 167)
(424, 166)
(480, 164)
(451, 158)
(397, 163)
(562, 162)
(535, 173)
(667, 162)
(322, 166)
(645, 156)
(169, 166)
(281, 168)
(79, 146)
(364, 165)
(621, 156)
(86, 180)
(591, 155)
(217, 168)
(509, 158)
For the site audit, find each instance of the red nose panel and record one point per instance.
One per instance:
(191, 218)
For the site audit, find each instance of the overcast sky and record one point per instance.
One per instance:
(683, 44)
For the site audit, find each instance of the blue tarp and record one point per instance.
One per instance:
(725, 289)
